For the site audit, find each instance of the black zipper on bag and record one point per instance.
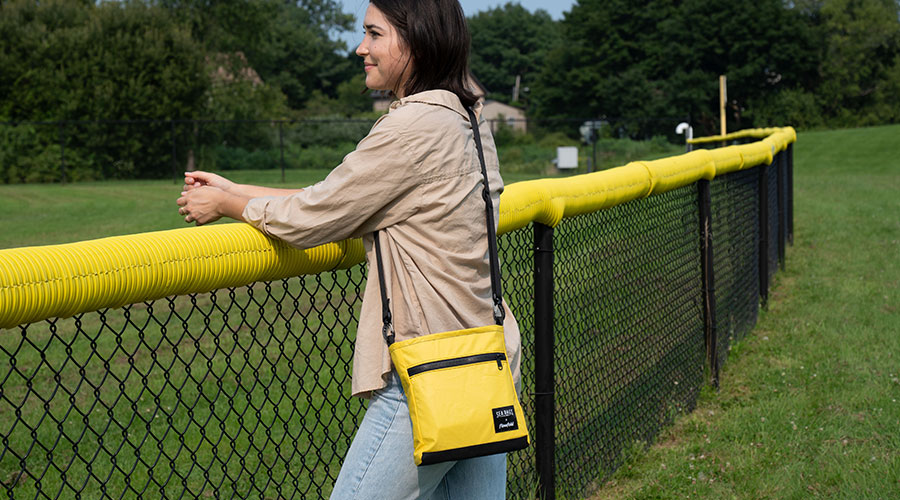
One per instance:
(499, 357)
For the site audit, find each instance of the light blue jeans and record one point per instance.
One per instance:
(379, 464)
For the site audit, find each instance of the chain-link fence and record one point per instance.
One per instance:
(243, 392)
(238, 393)
(628, 329)
(735, 229)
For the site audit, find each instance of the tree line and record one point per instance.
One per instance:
(806, 63)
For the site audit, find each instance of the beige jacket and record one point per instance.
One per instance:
(416, 177)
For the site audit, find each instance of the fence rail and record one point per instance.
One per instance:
(214, 362)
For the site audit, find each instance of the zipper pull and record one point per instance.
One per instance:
(500, 362)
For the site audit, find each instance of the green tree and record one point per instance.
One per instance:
(288, 43)
(641, 60)
(223, 27)
(236, 102)
(764, 48)
(352, 100)
(510, 41)
(76, 61)
(604, 65)
(860, 73)
(298, 55)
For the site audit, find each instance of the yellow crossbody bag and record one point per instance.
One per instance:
(462, 398)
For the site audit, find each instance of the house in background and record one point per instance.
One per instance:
(226, 68)
(381, 100)
(495, 112)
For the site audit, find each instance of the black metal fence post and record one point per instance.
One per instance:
(708, 288)
(782, 212)
(764, 234)
(544, 401)
(790, 194)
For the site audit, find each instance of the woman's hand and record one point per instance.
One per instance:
(200, 203)
(194, 180)
(204, 204)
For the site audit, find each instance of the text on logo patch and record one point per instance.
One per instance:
(505, 419)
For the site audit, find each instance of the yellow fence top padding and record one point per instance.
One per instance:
(63, 280)
(37, 283)
(787, 133)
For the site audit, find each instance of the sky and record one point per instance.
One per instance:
(358, 7)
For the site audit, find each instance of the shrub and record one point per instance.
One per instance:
(793, 107)
(237, 158)
(557, 139)
(27, 154)
(327, 131)
(318, 156)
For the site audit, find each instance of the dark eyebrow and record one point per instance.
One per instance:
(371, 26)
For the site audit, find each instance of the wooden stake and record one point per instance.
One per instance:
(723, 96)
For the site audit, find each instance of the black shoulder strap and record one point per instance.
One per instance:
(497, 296)
(491, 231)
(387, 330)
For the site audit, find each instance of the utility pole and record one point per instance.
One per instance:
(515, 96)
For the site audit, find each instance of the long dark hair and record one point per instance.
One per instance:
(437, 36)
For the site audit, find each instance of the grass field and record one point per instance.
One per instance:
(809, 404)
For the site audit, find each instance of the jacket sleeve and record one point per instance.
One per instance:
(374, 187)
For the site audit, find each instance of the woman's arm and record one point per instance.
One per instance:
(198, 179)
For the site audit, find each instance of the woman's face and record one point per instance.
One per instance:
(385, 57)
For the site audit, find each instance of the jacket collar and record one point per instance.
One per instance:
(439, 97)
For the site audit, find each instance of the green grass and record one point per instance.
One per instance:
(45, 214)
(809, 403)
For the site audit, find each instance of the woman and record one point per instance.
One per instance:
(416, 179)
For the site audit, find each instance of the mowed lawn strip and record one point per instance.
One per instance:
(50, 214)
(809, 403)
